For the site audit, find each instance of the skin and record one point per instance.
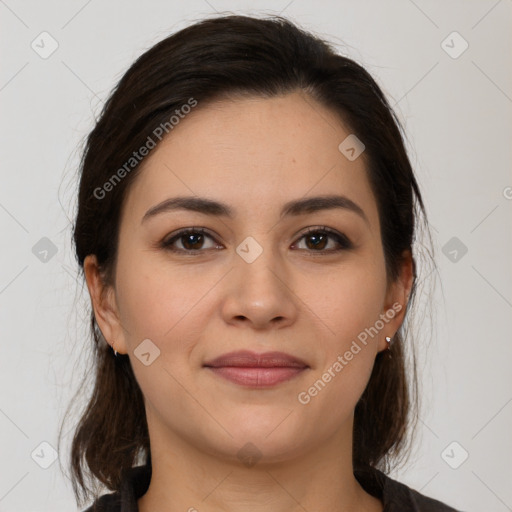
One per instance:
(253, 154)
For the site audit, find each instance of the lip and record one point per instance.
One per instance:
(248, 359)
(255, 370)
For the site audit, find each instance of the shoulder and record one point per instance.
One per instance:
(402, 497)
(106, 503)
(398, 497)
(135, 482)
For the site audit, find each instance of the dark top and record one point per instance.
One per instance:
(397, 497)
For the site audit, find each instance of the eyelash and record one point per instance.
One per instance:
(341, 239)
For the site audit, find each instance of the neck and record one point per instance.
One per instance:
(187, 478)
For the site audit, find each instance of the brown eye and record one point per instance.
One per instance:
(191, 240)
(317, 239)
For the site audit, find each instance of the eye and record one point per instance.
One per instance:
(319, 237)
(191, 239)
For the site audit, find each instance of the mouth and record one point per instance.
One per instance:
(257, 370)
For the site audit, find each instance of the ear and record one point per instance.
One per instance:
(104, 305)
(397, 298)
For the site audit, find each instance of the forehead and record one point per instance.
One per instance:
(254, 154)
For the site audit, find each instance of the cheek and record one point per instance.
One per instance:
(349, 303)
(160, 303)
(348, 299)
(164, 307)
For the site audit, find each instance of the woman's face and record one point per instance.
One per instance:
(254, 280)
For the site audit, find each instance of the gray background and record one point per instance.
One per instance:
(456, 108)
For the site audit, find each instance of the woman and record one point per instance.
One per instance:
(245, 225)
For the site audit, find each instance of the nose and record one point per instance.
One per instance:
(260, 294)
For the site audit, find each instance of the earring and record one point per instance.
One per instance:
(115, 351)
(388, 339)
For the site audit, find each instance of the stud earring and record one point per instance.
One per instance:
(388, 339)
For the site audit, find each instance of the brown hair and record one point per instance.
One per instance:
(229, 56)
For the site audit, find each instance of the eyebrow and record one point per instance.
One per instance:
(291, 208)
